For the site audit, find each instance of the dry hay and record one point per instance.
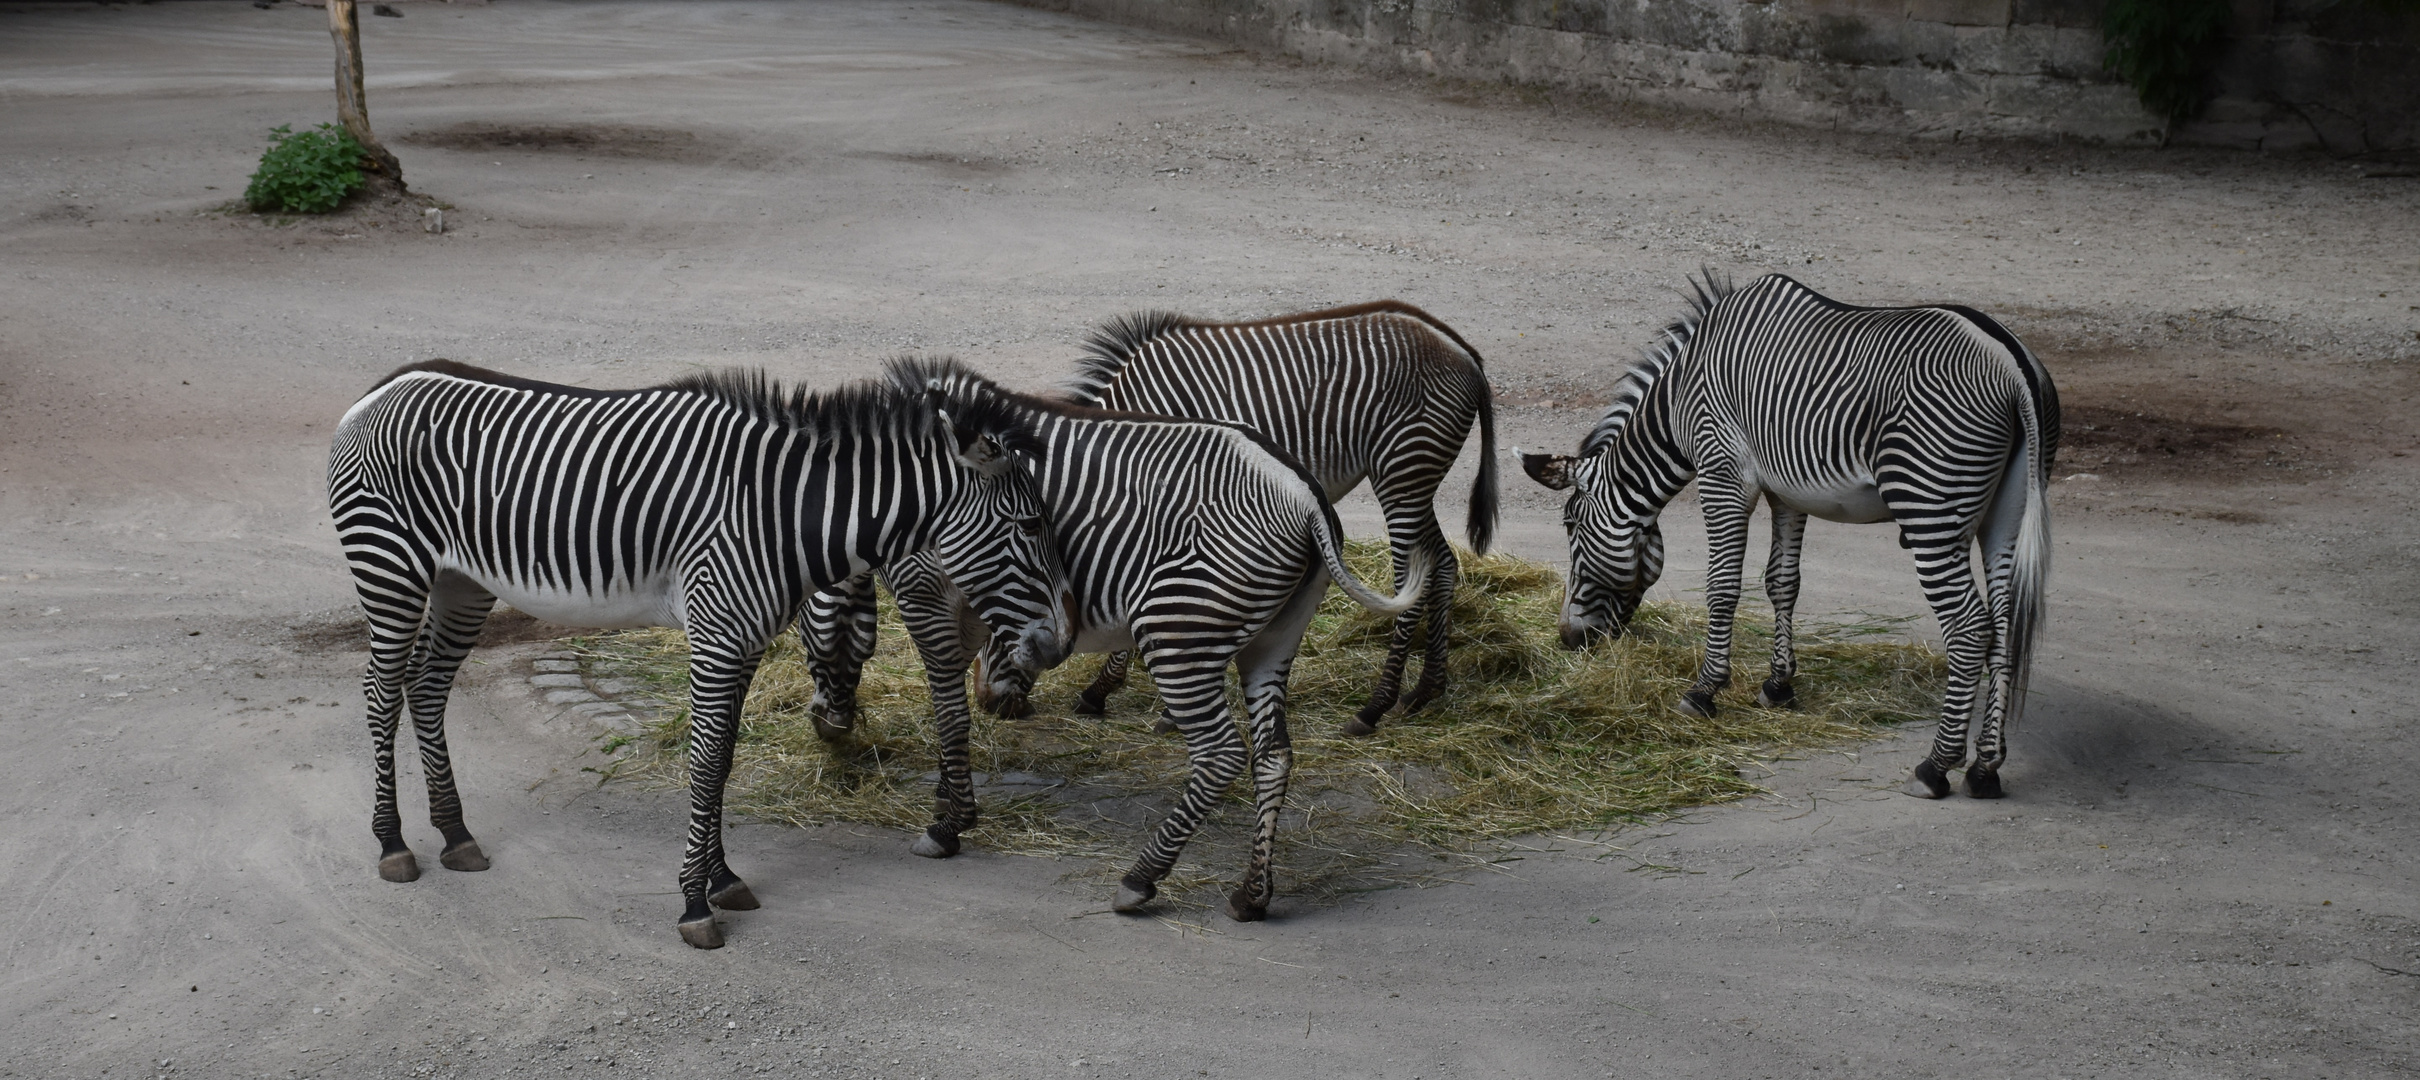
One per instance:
(1532, 739)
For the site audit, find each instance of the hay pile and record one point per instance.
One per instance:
(1531, 739)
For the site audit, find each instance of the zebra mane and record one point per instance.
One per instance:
(1110, 346)
(1708, 287)
(900, 402)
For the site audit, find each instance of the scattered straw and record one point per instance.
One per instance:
(1531, 740)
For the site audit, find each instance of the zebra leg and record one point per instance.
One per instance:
(1194, 686)
(719, 673)
(1991, 742)
(395, 609)
(932, 620)
(1966, 636)
(1781, 587)
(1438, 598)
(1726, 508)
(1411, 522)
(1094, 700)
(458, 607)
(1263, 667)
(838, 635)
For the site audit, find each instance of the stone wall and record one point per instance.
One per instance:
(2337, 74)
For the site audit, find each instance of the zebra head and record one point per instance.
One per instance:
(990, 536)
(1616, 552)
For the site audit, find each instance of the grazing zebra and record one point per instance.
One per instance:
(1380, 390)
(715, 503)
(1934, 418)
(1197, 544)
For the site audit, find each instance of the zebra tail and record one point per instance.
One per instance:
(2029, 571)
(1329, 534)
(1482, 525)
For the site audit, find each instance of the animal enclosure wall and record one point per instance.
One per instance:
(2340, 75)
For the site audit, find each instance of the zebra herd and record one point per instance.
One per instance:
(1174, 504)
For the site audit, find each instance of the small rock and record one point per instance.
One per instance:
(432, 220)
(383, 9)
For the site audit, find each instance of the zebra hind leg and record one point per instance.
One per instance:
(1194, 688)
(1781, 587)
(1438, 599)
(382, 687)
(1094, 700)
(1264, 666)
(458, 607)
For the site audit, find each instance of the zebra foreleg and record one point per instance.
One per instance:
(1781, 587)
(933, 622)
(458, 607)
(1194, 687)
(718, 682)
(837, 633)
(1726, 508)
(1094, 700)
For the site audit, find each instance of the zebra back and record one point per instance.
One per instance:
(1346, 391)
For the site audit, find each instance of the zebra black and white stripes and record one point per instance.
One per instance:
(1198, 545)
(716, 503)
(1935, 418)
(1380, 390)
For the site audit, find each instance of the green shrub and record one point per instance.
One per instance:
(307, 172)
(2164, 49)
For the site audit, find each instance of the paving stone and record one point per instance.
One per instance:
(555, 665)
(600, 708)
(620, 686)
(567, 697)
(555, 680)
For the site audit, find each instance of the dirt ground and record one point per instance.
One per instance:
(2206, 866)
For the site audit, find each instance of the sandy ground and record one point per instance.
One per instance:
(2206, 866)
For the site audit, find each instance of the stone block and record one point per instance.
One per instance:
(1960, 12)
(2070, 13)
(554, 680)
(1857, 9)
(568, 697)
(555, 665)
(619, 687)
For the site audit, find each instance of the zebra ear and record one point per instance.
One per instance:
(976, 450)
(1552, 470)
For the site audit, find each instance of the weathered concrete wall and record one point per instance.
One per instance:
(2336, 73)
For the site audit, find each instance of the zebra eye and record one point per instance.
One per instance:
(1030, 526)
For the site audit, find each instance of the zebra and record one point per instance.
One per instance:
(1199, 545)
(1381, 390)
(1935, 418)
(715, 503)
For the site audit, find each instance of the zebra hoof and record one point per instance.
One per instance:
(1928, 781)
(1088, 705)
(1777, 694)
(702, 933)
(833, 727)
(1133, 893)
(1698, 703)
(1984, 785)
(1360, 727)
(1241, 908)
(933, 844)
(399, 866)
(462, 855)
(735, 896)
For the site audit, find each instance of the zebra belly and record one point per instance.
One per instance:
(1854, 503)
(1113, 636)
(652, 603)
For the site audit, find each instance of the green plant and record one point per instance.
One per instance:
(306, 172)
(2164, 49)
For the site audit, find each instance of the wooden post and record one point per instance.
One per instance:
(352, 103)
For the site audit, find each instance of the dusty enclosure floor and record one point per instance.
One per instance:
(2205, 867)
